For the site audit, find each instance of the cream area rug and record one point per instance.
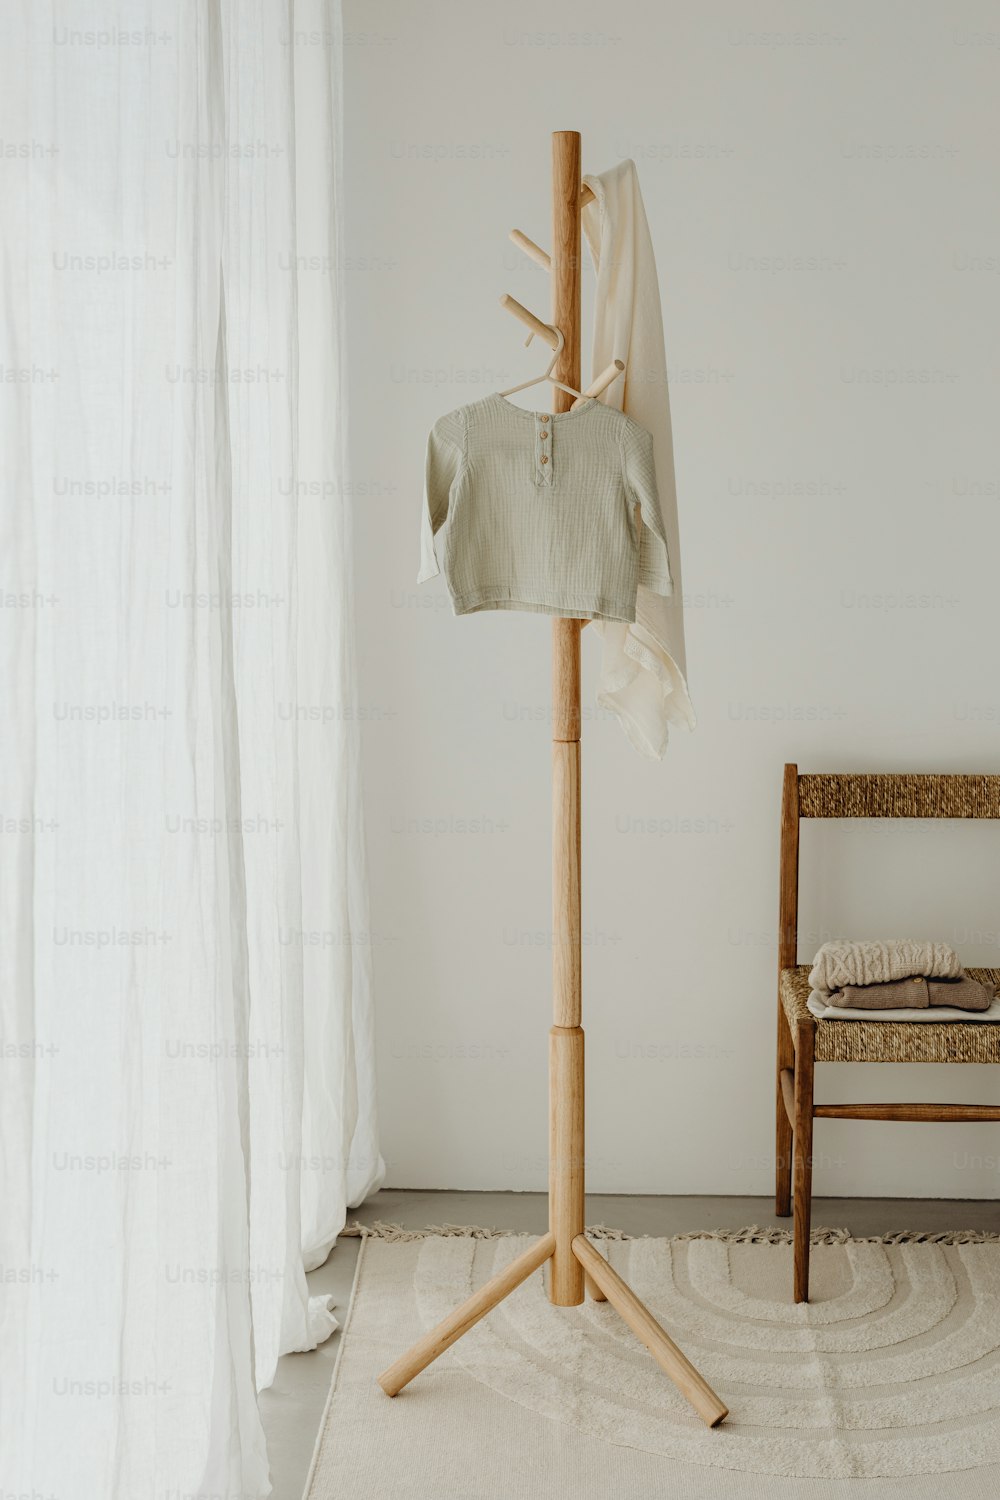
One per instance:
(887, 1381)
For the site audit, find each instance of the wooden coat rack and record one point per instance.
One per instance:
(573, 1260)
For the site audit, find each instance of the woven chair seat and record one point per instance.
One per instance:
(892, 1041)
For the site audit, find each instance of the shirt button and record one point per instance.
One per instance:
(545, 432)
(544, 458)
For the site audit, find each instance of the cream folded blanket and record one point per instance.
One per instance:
(839, 964)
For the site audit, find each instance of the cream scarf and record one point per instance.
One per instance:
(642, 678)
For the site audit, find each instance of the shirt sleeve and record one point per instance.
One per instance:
(445, 452)
(640, 480)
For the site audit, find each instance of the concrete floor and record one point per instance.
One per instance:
(293, 1407)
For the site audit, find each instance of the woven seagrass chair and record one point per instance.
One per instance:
(803, 1040)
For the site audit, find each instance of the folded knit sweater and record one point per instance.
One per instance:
(916, 993)
(840, 963)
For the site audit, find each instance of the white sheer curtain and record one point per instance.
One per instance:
(185, 1028)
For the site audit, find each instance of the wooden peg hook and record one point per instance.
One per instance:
(539, 329)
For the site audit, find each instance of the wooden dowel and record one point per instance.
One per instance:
(567, 976)
(566, 259)
(691, 1384)
(593, 1290)
(788, 887)
(532, 251)
(475, 1307)
(788, 906)
(566, 1172)
(606, 378)
(802, 1156)
(566, 1147)
(566, 680)
(587, 195)
(542, 330)
(939, 1114)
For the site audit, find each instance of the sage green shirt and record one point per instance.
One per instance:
(553, 513)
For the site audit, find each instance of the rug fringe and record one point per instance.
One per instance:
(755, 1234)
(751, 1234)
(381, 1230)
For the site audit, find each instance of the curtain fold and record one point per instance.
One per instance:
(187, 1106)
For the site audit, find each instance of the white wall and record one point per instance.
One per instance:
(821, 184)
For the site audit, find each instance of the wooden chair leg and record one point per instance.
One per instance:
(802, 1167)
(783, 1125)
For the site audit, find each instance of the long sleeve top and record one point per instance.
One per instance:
(553, 513)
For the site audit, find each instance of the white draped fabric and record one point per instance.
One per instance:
(643, 665)
(185, 1024)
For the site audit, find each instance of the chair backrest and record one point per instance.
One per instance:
(904, 796)
(858, 796)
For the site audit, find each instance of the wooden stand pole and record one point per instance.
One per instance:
(573, 1260)
(566, 1118)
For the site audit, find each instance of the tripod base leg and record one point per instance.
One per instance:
(427, 1349)
(593, 1290)
(671, 1361)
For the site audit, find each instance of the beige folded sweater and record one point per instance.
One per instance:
(917, 993)
(839, 964)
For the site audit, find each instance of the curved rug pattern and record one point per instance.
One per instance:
(893, 1368)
